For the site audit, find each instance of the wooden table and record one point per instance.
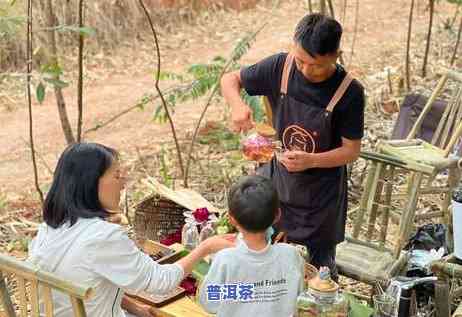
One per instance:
(184, 307)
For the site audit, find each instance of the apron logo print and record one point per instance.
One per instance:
(295, 138)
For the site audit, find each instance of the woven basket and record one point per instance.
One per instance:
(156, 217)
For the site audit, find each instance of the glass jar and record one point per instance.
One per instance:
(190, 234)
(260, 145)
(322, 299)
(206, 231)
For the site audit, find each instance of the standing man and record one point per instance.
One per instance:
(318, 113)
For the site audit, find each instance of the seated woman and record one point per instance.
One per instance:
(77, 243)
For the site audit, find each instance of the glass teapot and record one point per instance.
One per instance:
(260, 145)
(322, 298)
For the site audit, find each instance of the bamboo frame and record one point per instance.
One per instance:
(22, 296)
(409, 214)
(48, 301)
(5, 298)
(427, 107)
(386, 209)
(34, 298)
(376, 188)
(26, 272)
(78, 307)
(364, 200)
(30, 272)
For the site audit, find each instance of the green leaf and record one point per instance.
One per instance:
(56, 82)
(53, 69)
(40, 92)
(84, 30)
(357, 309)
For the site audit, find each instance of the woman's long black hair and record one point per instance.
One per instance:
(74, 191)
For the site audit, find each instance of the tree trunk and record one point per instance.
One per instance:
(53, 60)
(408, 46)
(310, 6)
(322, 8)
(454, 54)
(332, 14)
(429, 34)
(80, 80)
(345, 3)
(355, 33)
(29, 99)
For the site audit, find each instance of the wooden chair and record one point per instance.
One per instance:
(434, 158)
(30, 280)
(367, 258)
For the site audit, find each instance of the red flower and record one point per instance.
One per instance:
(201, 214)
(172, 238)
(189, 284)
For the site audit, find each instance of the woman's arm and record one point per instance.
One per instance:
(115, 257)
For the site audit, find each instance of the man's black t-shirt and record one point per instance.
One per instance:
(264, 78)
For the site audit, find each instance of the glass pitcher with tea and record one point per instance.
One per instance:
(261, 145)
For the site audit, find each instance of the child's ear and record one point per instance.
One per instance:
(278, 216)
(232, 221)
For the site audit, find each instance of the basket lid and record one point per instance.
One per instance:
(265, 130)
(322, 282)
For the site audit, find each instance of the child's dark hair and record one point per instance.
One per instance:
(254, 203)
(318, 34)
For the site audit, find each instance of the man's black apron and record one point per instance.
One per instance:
(314, 201)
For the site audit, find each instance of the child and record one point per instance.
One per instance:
(255, 278)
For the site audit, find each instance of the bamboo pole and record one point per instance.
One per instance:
(377, 187)
(78, 307)
(408, 215)
(386, 209)
(442, 303)
(364, 199)
(22, 296)
(427, 107)
(34, 298)
(455, 136)
(48, 300)
(5, 298)
(442, 123)
(449, 122)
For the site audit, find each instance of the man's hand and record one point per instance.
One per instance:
(298, 161)
(242, 119)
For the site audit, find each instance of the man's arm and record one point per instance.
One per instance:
(241, 114)
(297, 161)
